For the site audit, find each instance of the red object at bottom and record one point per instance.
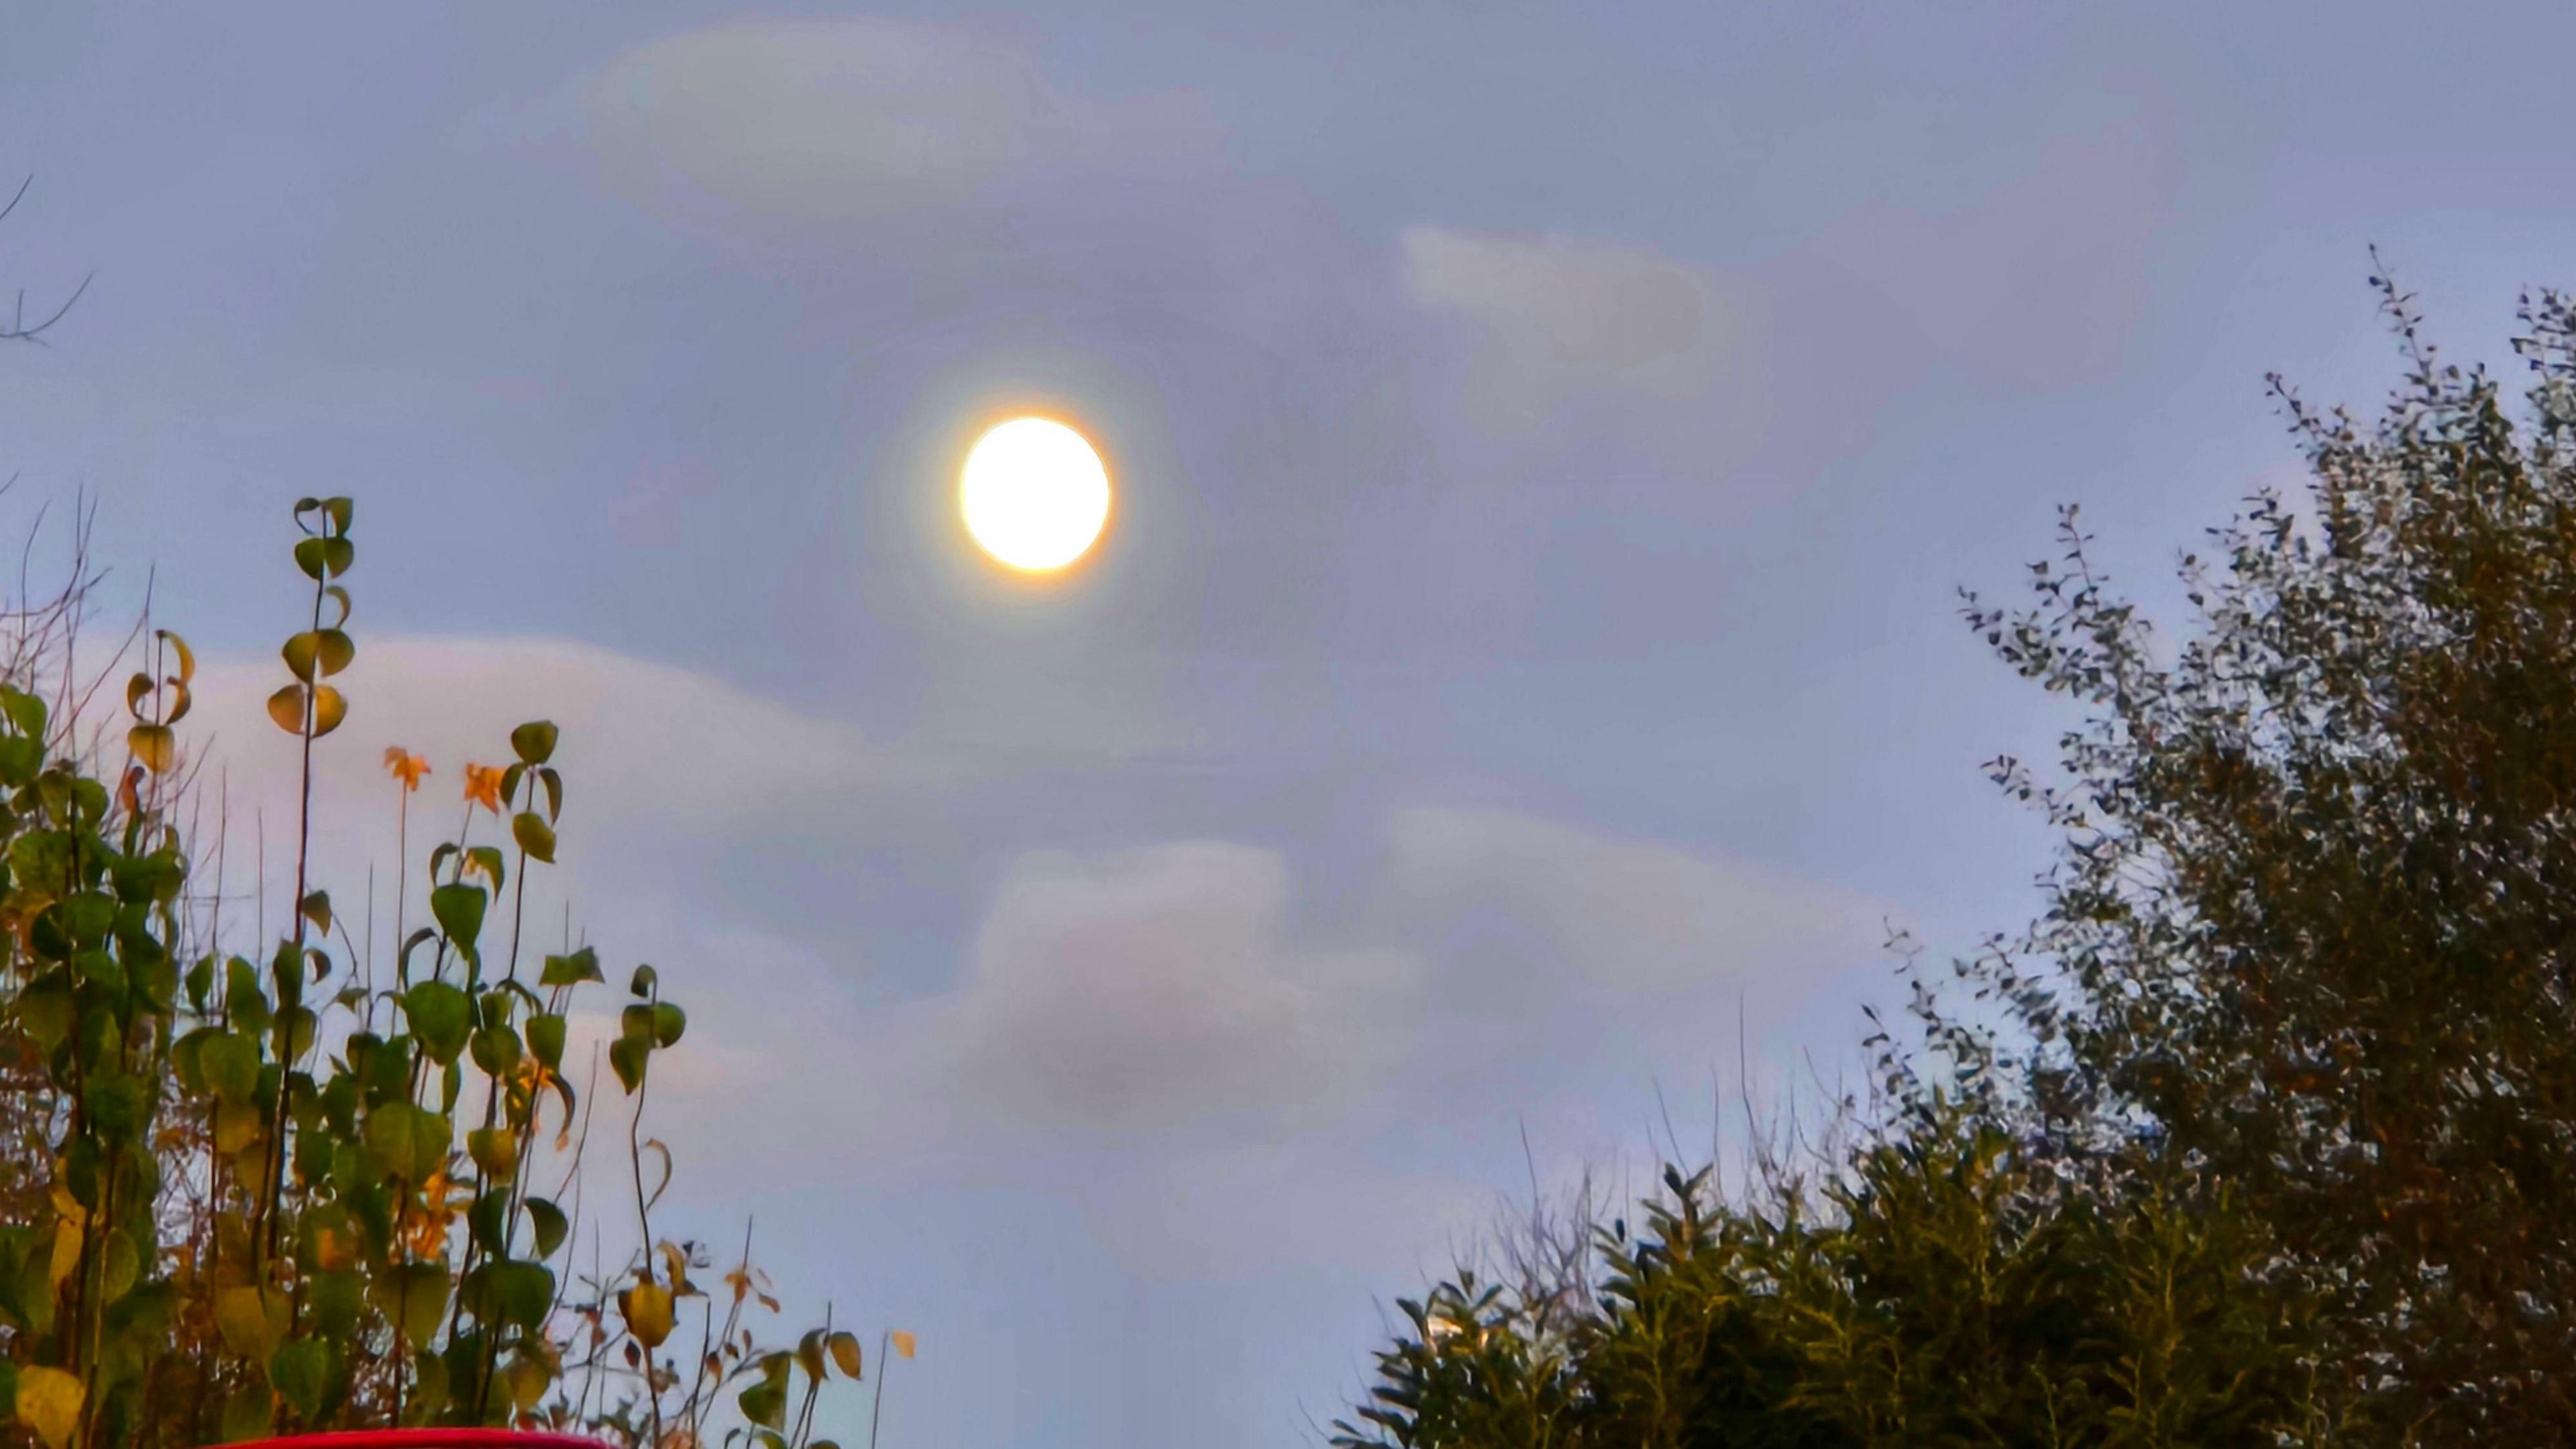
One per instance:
(425, 1439)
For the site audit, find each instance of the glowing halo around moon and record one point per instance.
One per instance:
(1033, 494)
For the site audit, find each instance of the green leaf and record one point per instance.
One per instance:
(250, 1413)
(765, 1403)
(317, 654)
(419, 938)
(626, 1056)
(88, 917)
(412, 1140)
(325, 556)
(459, 912)
(495, 1150)
(644, 980)
(549, 1225)
(554, 792)
(118, 1105)
(496, 1051)
(25, 711)
(534, 741)
(635, 1021)
(524, 1292)
(429, 1392)
(413, 1295)
(229, 1061)
(534, 836)
(580, 966)
(45, 1009)
(317, 909)
(298, 1370)
(546, 1039)
(333, 1299)
(243, 1000)
(441, 1016)
(668, 1022)
(252, 1320)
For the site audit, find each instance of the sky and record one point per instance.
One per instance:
(1522, 684)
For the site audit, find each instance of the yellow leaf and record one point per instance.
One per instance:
(153, 746)
(647, 1310)
(329, 708)
(287, 708)
(527, 1380)
(122, 1264)
(903, 1343)
(49, 1402)
(251, 1320)
(845, 1352)
(237, 1126)
(677, 1262)
(187, 656)
(67, 1252)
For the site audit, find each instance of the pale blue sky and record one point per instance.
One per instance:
(1549, 439)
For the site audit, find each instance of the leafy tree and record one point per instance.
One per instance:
(2313, 924)
(2265, 1131)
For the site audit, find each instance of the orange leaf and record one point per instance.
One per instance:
(483, 787)
(405, 766)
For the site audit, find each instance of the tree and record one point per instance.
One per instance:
(2313, 924)
(2276, 1140)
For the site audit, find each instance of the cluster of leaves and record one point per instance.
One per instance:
(2265, 1131)
(1941, 1288)
(252, 1196)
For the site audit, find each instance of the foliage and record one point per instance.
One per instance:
(284, 1193)
(1945, 1290)
(2265, 1131)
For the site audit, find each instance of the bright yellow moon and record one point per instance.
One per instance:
(1034, 494)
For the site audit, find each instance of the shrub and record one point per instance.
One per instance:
(282, 1191)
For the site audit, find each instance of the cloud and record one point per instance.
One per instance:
(1626, 916)
(641, 741)
(1571, 305)
(1661, 353)
(788, 127)
(1159, 1000)
(1158, 991)
(1154, 1031)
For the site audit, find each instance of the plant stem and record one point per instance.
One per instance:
(877, 1404)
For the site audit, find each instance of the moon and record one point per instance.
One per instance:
(1033, 494)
